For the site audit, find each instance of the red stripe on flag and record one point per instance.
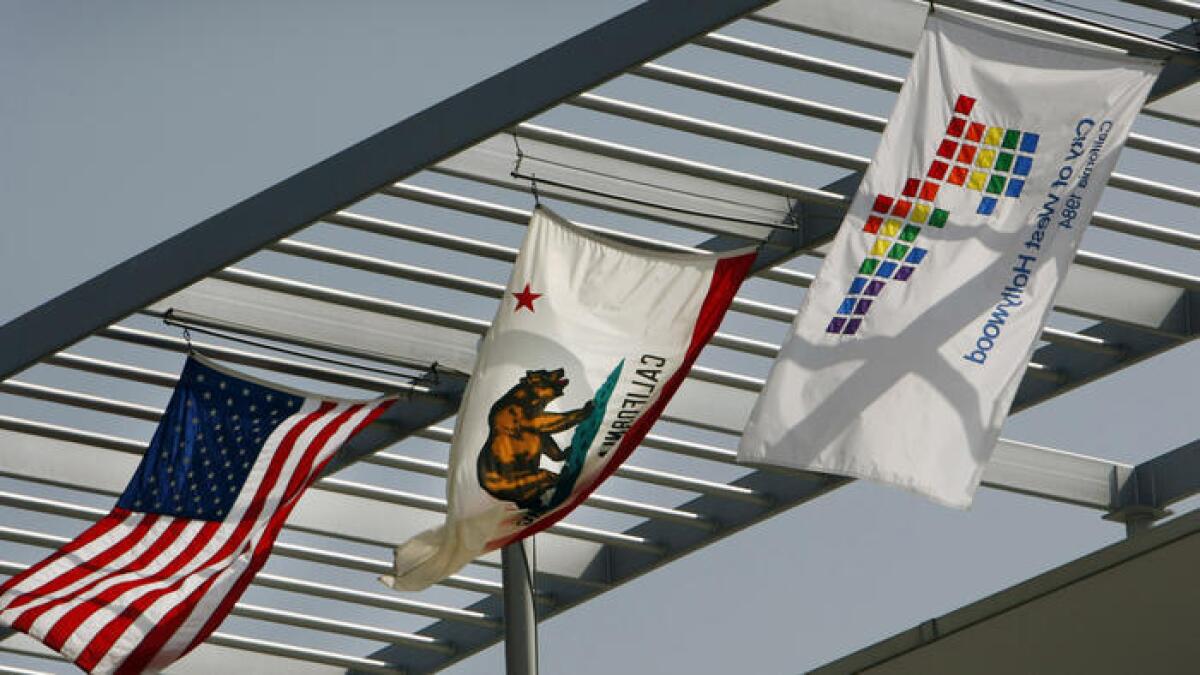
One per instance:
(101, 528)
(727, 278)
(171, 622)
(147, 648)
(85, 607)
(82, 570)
(99, 645)
(263, 550)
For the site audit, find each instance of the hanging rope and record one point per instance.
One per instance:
(516, 172)
(654, 205)
(425, 373)
(1187, 51)
(533, 186)
(1109, 15)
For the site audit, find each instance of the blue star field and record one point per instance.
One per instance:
(206, 443)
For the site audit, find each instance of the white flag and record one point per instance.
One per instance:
(908, 349)
(591, 340)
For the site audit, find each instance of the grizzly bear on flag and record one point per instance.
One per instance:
(509, 462)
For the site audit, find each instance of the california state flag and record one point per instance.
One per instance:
(591, 340)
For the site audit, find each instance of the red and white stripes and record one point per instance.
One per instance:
(137, 591)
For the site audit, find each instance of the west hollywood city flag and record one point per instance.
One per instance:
(909, 347)
(590, 341)
(152, 579)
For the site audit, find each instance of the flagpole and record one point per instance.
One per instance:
(520, 619)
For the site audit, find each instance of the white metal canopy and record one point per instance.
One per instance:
(393, 252)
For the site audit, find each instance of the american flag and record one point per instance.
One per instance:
(152, 579)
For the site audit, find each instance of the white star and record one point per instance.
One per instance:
(221, 385)
(269, 397)
(245, 392)
(200, 378)
(207, 395)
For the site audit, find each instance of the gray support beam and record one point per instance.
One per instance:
(1179, 73)
(1156, 484)
(1184, 8)
(518, 93)
(896, 32)
(520, 617)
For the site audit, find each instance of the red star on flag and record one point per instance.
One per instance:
(525, 299)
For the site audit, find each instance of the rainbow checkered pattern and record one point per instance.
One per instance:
(992, 161)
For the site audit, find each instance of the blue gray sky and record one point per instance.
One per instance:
(122, 123)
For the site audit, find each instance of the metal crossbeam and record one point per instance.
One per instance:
(422, 140)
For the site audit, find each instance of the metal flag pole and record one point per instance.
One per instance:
(520, 619)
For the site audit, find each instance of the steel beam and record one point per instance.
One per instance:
(478, 112)
(1156, 484)
(520, 616)
(894, 26)
(215, 656)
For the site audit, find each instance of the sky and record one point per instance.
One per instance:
(123, 123)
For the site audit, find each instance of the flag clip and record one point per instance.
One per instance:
(516, 172)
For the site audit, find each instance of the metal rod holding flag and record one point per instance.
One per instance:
(520, 617)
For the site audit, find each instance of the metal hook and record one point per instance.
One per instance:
(170, 320)
(516, 172)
